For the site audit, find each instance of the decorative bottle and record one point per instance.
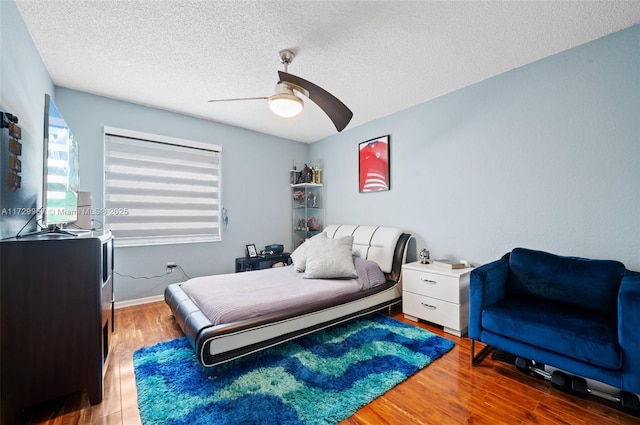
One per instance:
(293, 179)
(317, 174)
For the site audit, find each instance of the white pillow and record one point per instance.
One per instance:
(299, 255)
(330, 259)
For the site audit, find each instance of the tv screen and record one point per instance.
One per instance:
(60, 172)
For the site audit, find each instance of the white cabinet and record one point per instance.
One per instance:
(436, 295)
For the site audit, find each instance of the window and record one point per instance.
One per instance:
(160, 190)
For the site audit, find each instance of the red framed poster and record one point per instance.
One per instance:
(373, 165)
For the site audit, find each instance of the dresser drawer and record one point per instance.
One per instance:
(432, 310)
(432, 285)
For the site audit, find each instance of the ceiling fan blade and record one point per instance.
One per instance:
(239, 98)
(337, 111)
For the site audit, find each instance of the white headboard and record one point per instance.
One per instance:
(375, 243)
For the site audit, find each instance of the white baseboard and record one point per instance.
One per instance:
(138, 301)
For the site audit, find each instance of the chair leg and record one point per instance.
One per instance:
(475, 360)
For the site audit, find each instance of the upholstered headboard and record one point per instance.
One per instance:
(375, 243)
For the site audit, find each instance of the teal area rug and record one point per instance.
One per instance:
(321, 378)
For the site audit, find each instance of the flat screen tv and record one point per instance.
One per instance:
(60, 172)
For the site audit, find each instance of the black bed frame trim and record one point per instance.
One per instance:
(212, 360)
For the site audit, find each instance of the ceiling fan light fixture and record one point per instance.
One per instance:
(287, 100)
(285, 103)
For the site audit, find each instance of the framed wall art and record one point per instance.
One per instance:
(373, 165)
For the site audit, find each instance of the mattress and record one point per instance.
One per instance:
(235, 297)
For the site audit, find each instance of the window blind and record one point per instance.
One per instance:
(160, 190)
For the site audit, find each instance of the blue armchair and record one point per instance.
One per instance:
(575, 314)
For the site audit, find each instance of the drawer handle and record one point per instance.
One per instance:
(430, 282)
(429, 306)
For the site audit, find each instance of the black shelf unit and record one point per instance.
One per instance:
(245, 264)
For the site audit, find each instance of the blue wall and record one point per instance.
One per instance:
(545, 156)
(255, 191)
(23, 82)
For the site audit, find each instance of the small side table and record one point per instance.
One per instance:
(436, 295)
(245, 264)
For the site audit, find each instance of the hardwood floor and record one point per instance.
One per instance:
(449, 391)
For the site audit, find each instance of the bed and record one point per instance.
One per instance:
(226, 331)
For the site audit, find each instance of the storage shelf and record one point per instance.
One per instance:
(307, 211)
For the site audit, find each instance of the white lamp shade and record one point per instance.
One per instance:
(285, 105)
(284, 102)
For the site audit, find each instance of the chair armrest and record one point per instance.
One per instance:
(487, 286)
(629, 329)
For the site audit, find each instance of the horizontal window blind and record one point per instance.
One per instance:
(160, 190)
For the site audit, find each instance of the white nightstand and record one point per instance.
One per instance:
(436, 295)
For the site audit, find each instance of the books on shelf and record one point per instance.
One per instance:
(448, 264)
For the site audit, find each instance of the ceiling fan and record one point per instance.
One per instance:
(286, 102)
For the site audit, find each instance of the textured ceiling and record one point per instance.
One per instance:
(378, 57)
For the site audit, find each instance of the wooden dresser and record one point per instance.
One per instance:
(56, 318)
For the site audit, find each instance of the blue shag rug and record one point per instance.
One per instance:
(321, 378)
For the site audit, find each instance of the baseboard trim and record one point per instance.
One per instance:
(138, 301)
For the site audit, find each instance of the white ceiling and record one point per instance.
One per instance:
(378, 57)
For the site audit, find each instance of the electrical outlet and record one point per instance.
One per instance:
(170, 266)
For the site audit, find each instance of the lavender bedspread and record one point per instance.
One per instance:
(232, 297)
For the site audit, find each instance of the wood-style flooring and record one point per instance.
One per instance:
(449, 391)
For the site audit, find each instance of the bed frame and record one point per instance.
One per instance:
(216, 344)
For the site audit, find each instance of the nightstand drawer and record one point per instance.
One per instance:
(433, 285)
(432, 310)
